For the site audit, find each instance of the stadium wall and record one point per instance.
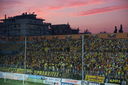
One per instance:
(74, 36)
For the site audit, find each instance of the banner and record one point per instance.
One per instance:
(19, 76)
(70, 82)
(92, 78)
(93, 83)
(52, 81)
(1, 75)
(111, 84)
(64, 83)
(113, 80)
(36, 78)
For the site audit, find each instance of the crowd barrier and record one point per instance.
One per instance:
(20, 70)
(76, 36)
(53, 80)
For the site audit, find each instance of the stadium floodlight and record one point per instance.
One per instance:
(25, 52)
(83, 52)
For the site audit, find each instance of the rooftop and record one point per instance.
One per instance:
(23, 16)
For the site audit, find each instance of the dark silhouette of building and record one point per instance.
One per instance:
(2, 30)
(24, 25)
(63, 29)
(87, 31)
(115, 31)
(75, 31)
(29, 25)
(103, 32)
(121, 29)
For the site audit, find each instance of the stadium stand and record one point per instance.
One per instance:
(61, 56)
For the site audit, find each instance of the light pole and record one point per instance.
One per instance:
(83, 52)
(25, 52)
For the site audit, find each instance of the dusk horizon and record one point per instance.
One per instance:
(94, 15)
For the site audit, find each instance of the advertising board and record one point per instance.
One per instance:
(111, 84)
(52, 81)
(1, 75)
(86, 83)
(64, 83)
(70, 82)
(36, 78)
(93, 83)
(19, 76)
(92, 78)
(14, 76)
(114, 80)
(8, 75)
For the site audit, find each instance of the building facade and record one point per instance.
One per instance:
(24, 25)
(63, 29)
(29, 25)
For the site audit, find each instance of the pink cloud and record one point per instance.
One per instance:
(102, 10)
(55, 7)
(73, 4)
(77, 3)
(6, 4)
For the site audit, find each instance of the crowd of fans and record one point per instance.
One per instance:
(105, 57)
(106, 45)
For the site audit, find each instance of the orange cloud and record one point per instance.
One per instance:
(102, 10)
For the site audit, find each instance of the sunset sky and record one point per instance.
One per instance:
(94, 15)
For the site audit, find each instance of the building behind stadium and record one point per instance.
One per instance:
(29, 25)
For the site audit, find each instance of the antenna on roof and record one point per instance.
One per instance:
(67, 23)
(5, 16)
(25, 13)
(33, 12)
